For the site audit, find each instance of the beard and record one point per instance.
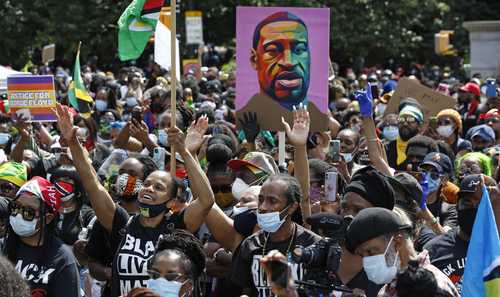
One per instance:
(406, 133)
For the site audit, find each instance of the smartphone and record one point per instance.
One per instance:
(279, 272)
(375, 92)
(334, 151)
(159, 155)
(433, 122)
(137, 115)
(331, 178)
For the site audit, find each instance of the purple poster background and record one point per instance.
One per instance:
(318, 27)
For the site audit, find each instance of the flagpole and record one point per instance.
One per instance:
(79, 45)
(173, 78)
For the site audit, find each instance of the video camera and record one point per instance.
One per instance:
(322, 259)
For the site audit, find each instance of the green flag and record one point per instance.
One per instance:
(77, 92)
(136, 25)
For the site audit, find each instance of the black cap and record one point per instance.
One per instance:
(406, 185)
(372, 186)
(440, 161)
(470, 184)
(371, 223)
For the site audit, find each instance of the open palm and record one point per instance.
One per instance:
(65, 122)
(196, 134)
(297, 135)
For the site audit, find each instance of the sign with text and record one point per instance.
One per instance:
(194, 27)
(432, 102)
(32, 97)
(48, 53)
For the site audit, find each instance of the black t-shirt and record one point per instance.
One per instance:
(70, 225)
(247, 271)
(448, 253)
(361, 281)
(136, 246)
(57, 276)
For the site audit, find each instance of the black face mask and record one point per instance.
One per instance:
(406, 133)
(156, 107)
(466, 219)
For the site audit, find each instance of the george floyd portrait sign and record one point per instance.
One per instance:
(282, 56)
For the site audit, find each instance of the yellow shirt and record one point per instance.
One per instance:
(401, 150)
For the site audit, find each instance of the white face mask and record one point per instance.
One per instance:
(377, 270)
(163, 138)
(238, 188)
(238, 210)
(165, 288)
(445, 131)
(22, 227)
(270, 222)
(347, 157)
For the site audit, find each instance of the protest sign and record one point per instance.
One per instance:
(281, 55)
(191, 67)
(32, 97)
(48, 53)
(432, 102)
(194, 27)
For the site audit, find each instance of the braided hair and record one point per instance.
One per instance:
(190, 250)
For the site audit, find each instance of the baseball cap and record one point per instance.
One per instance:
(43, 190)
(371, 223)
(483, 131)
(255, 161)
(472, 88)
(14, 172)
(406, 187)
(469, 184)
(439, 161)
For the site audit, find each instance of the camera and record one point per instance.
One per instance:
(322, 259)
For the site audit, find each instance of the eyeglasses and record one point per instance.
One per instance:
(29, 214)
(171, 276)
(408, 120)
(7, 187)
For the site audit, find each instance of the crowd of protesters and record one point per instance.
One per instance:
(89, 207)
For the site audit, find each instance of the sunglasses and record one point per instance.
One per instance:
(171, 276)
(6, 187)
(29, 214)
(408, 120)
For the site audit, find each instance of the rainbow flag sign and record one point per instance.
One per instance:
(32, 97)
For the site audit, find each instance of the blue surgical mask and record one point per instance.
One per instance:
(271, 222)
(433, 184)
(390, 132)
(163, 138)
(22, 227)
(131, 101)
(101, 105)
(4, 138)
(165, 288)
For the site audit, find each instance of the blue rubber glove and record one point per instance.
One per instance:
(365, 100)
(491, 89)
(425, 191)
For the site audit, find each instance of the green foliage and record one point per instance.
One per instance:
(373, 29)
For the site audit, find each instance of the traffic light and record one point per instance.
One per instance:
(442, 44)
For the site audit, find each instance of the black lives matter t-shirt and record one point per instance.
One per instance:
(136, 246)
(448, 253)
(56, 276)
(247, 271)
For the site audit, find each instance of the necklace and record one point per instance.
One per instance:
(289, 244)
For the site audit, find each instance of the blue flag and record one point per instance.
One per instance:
(482, 269)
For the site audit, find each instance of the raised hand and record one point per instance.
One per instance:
(65, 122)
(22, 126)
(196, 134)
(177, 139)
(297, 135)
(139, 130)
(365, 100)
(250, 126)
